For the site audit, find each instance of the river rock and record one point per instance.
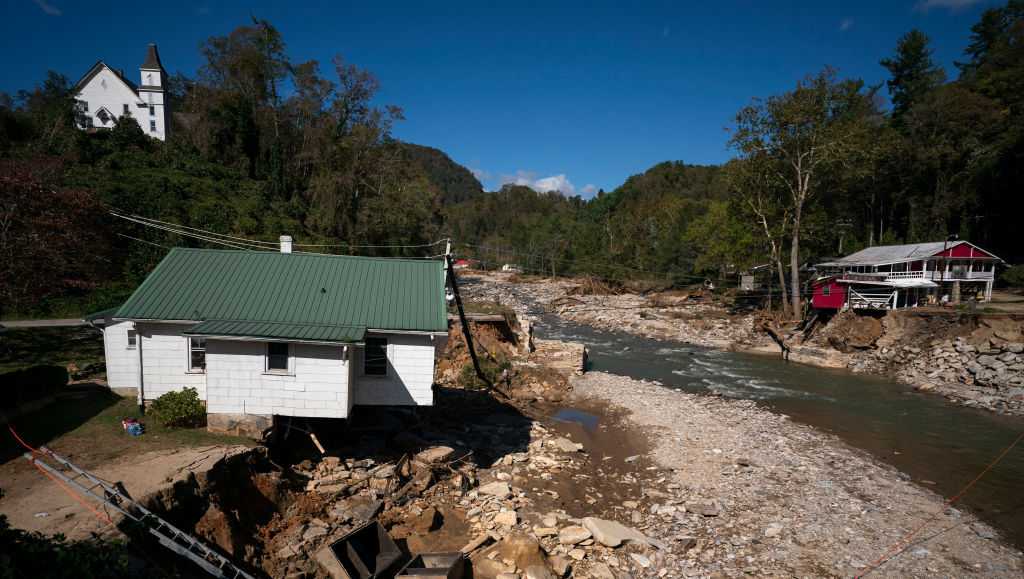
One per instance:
(565, 445)
(434, 454)
(611, 533)
(496, 489)
(573, 534)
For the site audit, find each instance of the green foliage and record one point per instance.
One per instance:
(179, 409)
(33, 554)
(492, 371)
(914, 73)
(1013, 276)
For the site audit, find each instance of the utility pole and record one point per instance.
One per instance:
(465, 325)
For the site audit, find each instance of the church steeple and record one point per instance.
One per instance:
(152, 59)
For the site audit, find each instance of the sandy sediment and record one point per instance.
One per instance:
(768, 497)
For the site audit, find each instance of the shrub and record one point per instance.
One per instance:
(1014, 276)
(181, 409)
(469, 380)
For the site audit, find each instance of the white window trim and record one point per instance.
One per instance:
(188, 356)
(266, 360)
(128, 344)
(388, 360)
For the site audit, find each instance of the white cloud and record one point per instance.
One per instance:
(480, 174)
(845, 24)
(926, 5)
(559, 182)
(589, 189)
(48, 8)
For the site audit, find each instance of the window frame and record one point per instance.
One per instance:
(152, 110)
(152, 126)
(826, 290)
(387, 358)
(288, 370)
(127, 109)
(189, 349)
(132, 340)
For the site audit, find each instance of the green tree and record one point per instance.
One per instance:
(913, 73)
(798, 136)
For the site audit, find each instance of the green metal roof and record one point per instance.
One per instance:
(292, 289)
(279, 330)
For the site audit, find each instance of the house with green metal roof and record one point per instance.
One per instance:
(262, 334)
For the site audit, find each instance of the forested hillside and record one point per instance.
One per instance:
(263, 145)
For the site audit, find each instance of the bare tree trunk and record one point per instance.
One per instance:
(782, 284)
(794, 263)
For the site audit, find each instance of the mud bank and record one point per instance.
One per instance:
(760, 495)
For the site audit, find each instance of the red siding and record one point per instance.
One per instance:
(836, 294)
(962, 249)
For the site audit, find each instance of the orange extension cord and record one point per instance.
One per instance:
(902, 544)
(103, 517)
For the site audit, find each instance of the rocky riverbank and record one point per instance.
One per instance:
(976, 362)
(750, 493)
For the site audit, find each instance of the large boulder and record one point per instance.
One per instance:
(612, 533)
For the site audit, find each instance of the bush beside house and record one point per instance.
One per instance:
(179, 409)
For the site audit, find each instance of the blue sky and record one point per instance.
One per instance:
(568, 95)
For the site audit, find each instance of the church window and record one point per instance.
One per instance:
(152, 111)
(152, 126)
(127, 111)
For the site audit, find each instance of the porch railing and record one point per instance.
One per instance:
(877, 300)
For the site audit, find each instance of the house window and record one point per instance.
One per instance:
(152, 126)
(375, 358)
(133, 339)
(127, 111)
(826, 290)
(277, 357)
(197, 354)
(152, 110)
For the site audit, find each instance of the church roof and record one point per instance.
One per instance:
(96, 68)
(152, 61)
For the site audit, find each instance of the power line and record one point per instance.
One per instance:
(196, 229)
(256, 242)
(143, 241)
(233, 245)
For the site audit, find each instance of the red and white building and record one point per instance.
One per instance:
(902, 276)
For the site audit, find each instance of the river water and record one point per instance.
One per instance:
(934, 443)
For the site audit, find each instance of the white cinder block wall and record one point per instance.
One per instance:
(165, 361)
(410, 372)
(317, 383)
(122, 361)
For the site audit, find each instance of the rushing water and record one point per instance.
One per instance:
(936, 444)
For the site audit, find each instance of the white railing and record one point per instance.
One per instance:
(960, 274)
(903, 274)
(878, 300)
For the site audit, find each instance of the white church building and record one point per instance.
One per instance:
(104, 96)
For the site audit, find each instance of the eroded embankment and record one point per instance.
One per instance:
(972, 360)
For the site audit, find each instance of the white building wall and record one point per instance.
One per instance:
(165, 360)
(106, 90)
(317, 384)
(410, 372)
(122, 362)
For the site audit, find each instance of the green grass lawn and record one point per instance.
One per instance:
(85, 423)
(24, 347)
